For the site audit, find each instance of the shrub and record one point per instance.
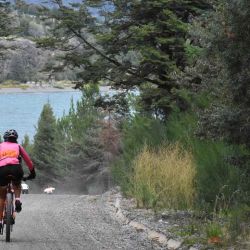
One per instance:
(222, 178)
(137, 132)
(239, 219)
(214, 229)
(164, 178)
(219, 180)
(215, 176)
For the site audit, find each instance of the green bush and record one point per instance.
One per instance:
(214, 229)
(219, 180)
(137, 132)
(221, 175)
(239, 219)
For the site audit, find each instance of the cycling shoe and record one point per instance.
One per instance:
(18, 205)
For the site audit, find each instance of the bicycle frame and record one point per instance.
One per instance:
(9, 212)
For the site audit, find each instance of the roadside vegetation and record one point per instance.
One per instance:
(164, 178)
(181, 139)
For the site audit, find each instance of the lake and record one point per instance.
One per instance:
(20, 111)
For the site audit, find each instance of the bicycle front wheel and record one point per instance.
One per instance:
(9, 213)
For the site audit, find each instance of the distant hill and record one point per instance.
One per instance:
(45, 2)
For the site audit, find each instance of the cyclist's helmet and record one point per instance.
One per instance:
(10, 134)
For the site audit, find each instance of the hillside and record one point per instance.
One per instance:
(21, 60)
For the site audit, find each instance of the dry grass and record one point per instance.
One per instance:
(164, 178)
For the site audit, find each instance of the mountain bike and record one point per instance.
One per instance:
(9, 209)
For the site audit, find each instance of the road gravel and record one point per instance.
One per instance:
(70, 222)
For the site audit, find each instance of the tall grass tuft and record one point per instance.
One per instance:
(137, 132)
(164, 178)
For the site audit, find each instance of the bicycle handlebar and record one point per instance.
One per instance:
(31, 176)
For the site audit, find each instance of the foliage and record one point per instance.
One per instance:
(31, 27)
(5, 18)
(136, 132)
(133, 43)
(227, 50)
(79, 145)
(23, 7)
(215, 163)
(165, 178)
(44, 148)
(26, 143)
(239, 219)
(214, 230)
(116, 105)
(180, 57)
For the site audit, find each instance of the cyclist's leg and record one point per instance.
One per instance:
(3, 184)
(2, 200)
(17, 171)
(18, 203)
(17, 190)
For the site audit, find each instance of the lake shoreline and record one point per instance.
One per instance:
(36, 90)
(45, 90)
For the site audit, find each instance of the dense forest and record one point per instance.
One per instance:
(176, 134)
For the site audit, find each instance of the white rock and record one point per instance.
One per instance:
(123, 219)
(138, 226)
(173, 244)
(193, 248)
(157, 237)
(117, 203)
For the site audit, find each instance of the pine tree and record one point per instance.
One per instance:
(5, 18)
(227, 50)
(26, 143)
(44, 148)
(80, 153)
(133, 44)
(6, 28)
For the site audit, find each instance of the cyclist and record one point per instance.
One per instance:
(11, 154)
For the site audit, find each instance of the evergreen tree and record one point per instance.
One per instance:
(148, 38)
(226, 43)
(134, 43)
(44, 148)
(80, 153)
(6, 28)
(5, 19)
(27, 144)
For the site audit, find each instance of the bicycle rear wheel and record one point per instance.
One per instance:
(9, 213)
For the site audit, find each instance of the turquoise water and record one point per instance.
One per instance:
(21, 111)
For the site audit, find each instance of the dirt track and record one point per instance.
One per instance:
(69, 222)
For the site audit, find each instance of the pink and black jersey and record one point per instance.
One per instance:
(10, 153)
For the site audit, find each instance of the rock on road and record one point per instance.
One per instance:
(69, 222)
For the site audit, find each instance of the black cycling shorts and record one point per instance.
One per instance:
(14, 170)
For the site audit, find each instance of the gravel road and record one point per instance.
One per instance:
(70, 222)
